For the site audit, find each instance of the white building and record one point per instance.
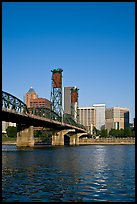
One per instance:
(100, 115)
(7, 124)
(87, 117)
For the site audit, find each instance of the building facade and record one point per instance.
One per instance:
(32, 101)
(31, 94)
(87, 117)
(100, 116)
(40, 102)
(67, 100)
(117, 118)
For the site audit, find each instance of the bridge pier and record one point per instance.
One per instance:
(74, 139)
(25, 136)
(58, 136)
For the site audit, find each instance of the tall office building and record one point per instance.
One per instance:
(71, 102)
(100, 115)
(87, 117)
(117, 118)
(67, 100)
(31, 94)
(32, 100)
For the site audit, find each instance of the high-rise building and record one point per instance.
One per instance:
(100, 115)
(32, 100)
(31, 94)
(117, 118)
(87, 117)
(67, 100)
(71, 102)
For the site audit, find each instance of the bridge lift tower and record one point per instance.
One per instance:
(56, 92)
(74, 103)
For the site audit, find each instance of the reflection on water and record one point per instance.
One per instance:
(83, 173)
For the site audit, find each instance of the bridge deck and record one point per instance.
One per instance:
(37, 121)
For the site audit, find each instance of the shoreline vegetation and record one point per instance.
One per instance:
(87, 141)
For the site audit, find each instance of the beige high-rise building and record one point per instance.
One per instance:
(87, 117)
(31, 94)
(117, 118)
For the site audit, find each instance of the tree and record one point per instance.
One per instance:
(127, 132)
(37, 133)
(104, 133)
(96, 131)
(11, 131)
(40, 133)
(120, 133)
(113, 133)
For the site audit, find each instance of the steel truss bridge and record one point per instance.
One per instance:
(14, 110)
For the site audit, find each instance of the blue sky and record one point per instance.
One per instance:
(94, 44)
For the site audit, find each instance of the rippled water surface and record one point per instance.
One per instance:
(81, 173)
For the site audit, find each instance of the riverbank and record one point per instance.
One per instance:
(107, 141)
(9, 143)
(8, 140)
(91, 141)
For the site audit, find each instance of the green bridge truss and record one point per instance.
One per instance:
(13, 103)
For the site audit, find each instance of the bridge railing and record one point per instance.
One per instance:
(67, 118)
(44, 112)
(50, 114)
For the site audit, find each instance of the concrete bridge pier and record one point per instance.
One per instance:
(74, 139)
(25, 136)
(58, 136)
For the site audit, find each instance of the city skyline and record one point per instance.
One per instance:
(92, 42)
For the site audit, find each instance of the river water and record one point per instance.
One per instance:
(87, 173)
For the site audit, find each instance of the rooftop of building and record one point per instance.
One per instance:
(99, 104)
(87, 107)
(117, 107)
(31, 90)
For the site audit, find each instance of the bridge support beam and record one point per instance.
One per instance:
(58, 136)
(25, 136)
(74, 139)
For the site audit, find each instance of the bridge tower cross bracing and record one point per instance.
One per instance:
(56, 92)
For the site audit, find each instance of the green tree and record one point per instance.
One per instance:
(37, 133)
(96, 132)
(127, 132)
(113, 133)
(40, 133)
(120, 133)
(11, 131)
(104, 133)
